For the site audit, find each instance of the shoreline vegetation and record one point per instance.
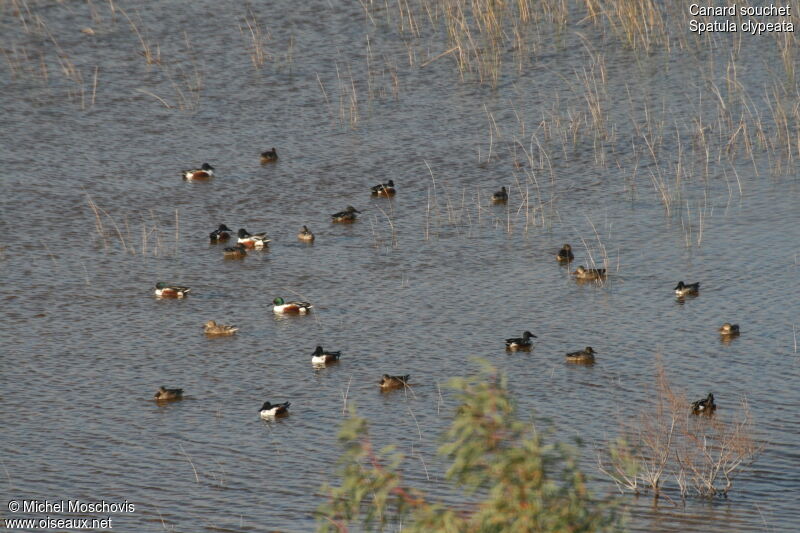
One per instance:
(523, 482)
(666, 158)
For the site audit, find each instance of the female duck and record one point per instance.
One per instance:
(252, 240)
(584, 356)
(212, 329)
(205, 172)
(384, 189)
(281, 307)
(564, 255)
(500, 196)
(220, 234)
(520, 343)
(394, 382)
(706, 406)
(729, 329)
(170, 291)
(270, 156)
(687, 289)
(235, 252)
(305, 235)
(346, 216)
(321, 357)
(269, 410)
(167, 395)
(589, 273)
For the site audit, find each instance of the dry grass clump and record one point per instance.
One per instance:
(664, 441)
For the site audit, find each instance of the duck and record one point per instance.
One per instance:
(394, 382)
(565, 254)
(706, 406)
(170, 291)
(270, 156)
(235, 252)
(584, 356)
(252, 240)
(203, 173)
(164, 394)
(269, 410)
(282, 307)
(589, 273)
(500, 196)
(220, 234)
(729, 329)
(520, 343)
(346, 216)
(687, 289)
(212, 329)
(321, 357)
(305, 235)
(384, 189)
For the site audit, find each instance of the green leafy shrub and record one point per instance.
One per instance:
(526, 484)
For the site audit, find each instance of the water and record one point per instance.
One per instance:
(85, 343)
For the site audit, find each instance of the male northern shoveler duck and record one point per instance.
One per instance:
(501, 195)
(589, 273)
(348, 215)
(235, 252)
(212, 329)
(394, 382)
(252, 240)
(203, 173)
(520, 343)
(305, 235)
(687, 289)
(166, 395)
(384, 189)
(270, 156)
(170, 291)
(269, 410)
(220, 234)
(321, 357)
(565, 254)
(279, 306)
(729, 329)
(706, 406)
(584, 356)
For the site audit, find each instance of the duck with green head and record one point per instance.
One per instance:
(564, 255)
(321, 357)
(270, 410)
(520, 343)
(501, 196)
(687, 289)
(205, 172)
(347, 216)
(270, 156)
(163, 290)
(280, 306)
(220, 234)
(706, 406)
(384, 189)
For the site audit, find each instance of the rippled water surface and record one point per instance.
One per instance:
(94, 212)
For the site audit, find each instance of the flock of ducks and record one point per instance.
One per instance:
(320, 357)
